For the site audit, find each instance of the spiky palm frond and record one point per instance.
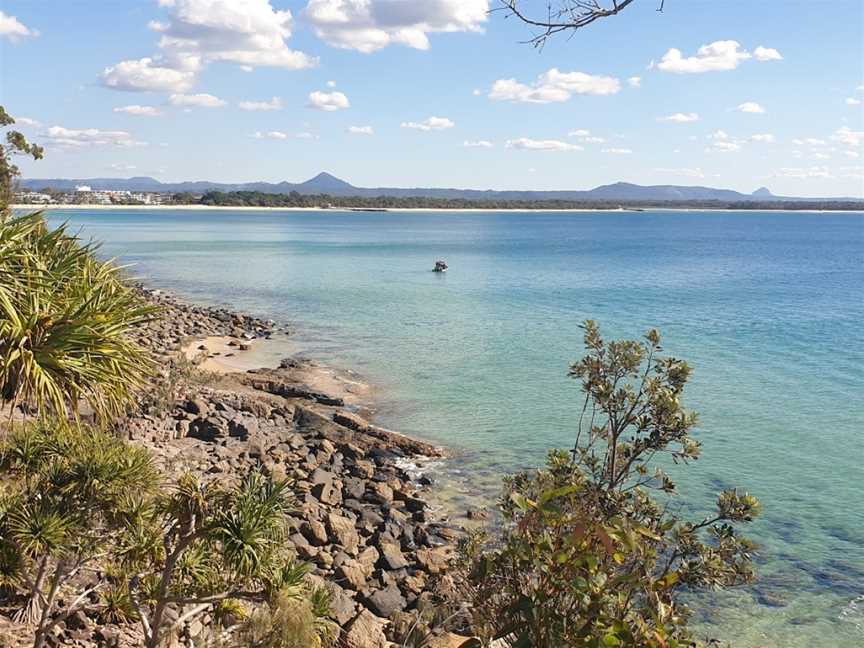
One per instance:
(251, 523)
(37, 528)
(117, 605)
(65, 319)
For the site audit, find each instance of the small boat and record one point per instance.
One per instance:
(440, 266)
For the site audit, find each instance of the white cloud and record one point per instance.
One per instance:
(430, 124)
(201, 100)
(249, 33)
(306, 136)
(803, 173)
(361, 130)
(847, 136)
(277, 135)
(553, 86)
(852, 172)
(331, 84)
(751, 107)
(26, 121)
(852, 101)
(477, 144)
(714, 57)
(14, 29)
(274, 104)
(328, 101)
(852, 154)
(723, 147)
(617, 151)
(369, 25)
(766, 54)
(685, 172)
(808, 141)
(122, 167)
(765, 138)
(138, 111)
(680, 118)
(593, 140)
(635, 82)
(148, 74)
(580, 132)
(821, 156)
(528, 144)
(77, 138)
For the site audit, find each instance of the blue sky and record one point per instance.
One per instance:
(738, 94)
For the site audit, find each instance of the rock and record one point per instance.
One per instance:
(320, 476)
(197, 406)
(343, 533)
(351, 421)
(434, 561)
(195, 628)
(477, 514)
(416, 582)
(365, 631)
(242, 427)
(328, 493)
(353, 488)
(447, 640)
(385, 602)
(342, 605)
(391, 556)
(314, 532)
(208, 429)
(368, 558)
(379, 493)
(364, 469)
(351, 575)
(414, 504)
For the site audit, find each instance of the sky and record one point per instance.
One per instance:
(737, 94)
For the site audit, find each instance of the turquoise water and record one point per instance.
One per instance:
(767, 307)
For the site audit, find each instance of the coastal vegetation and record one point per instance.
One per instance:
(587, 557)
(296, 199)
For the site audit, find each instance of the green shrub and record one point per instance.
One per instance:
(587, 557)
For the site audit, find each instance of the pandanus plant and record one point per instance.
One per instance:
(64, 496)
(65, 319)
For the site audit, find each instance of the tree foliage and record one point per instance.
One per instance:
(203, 544)
(65, 492)
(587, 556)
(65, 320)
(378, 203)
(15, 144)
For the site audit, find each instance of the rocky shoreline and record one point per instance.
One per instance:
(362, 523)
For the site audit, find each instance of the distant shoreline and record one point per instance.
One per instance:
(422, 209)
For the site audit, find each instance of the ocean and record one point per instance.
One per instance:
(767, 307)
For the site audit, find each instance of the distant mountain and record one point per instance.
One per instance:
(325, 183)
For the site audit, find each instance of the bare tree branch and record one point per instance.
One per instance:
(563, 15)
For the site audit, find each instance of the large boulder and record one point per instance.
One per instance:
(386, 602)
(351, 575)
(343, 533)
(365, 631)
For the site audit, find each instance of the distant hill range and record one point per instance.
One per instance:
(324, 183)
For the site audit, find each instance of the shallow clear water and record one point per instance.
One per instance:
(767, 307)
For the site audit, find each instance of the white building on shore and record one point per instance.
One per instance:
(32, 198)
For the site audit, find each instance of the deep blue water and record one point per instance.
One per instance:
(767, 307)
